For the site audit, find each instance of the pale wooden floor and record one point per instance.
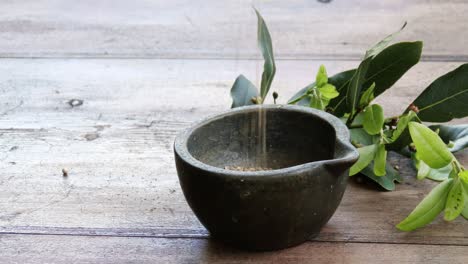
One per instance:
(144, 70)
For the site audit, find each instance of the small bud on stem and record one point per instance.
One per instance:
(413, 108)
(275, 96)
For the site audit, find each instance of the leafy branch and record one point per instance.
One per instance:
(450, 195)
(349, 95)
(244, 92)
(321, 92)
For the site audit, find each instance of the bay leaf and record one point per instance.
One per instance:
(373, 119)
(458, 134)
(428, 209)
(387, 181)
(242, 92)
(265, 45)
(431, 149)
(446, 98)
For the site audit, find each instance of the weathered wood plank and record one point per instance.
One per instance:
(148, 89)
(211, 29)
(72, 249)
(117, 148)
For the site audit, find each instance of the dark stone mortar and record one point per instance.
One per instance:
(309, 152)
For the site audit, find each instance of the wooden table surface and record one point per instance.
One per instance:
(101, 88)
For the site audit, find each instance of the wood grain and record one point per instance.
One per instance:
(117, 148)
(150, 88)
(300, 29)
(100, 89)
(72, 249)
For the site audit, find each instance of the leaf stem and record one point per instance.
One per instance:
(457, 166)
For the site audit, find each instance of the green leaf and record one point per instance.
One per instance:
(388, 181)
(465, 209)
(453, 173)
(242, 92)
(360, 136)
(320, 95)
(401, 137)
(402, 125)
(464, 177)
(373, 119)
(446, 98)
(428, 209)
(386, 135)
(455, 201)
(367, 96)
(423, 170)
(355, 86)
(339, 80)
(385, 69)
(434, 174)
(305, 101)
(315, 102)
(328, 91)
(380, 160)
(377, 48)
(358, 120)
(440, 174)
(391, 64)
(269, 67)
(359, 78)
(322, 78)
(401, 143)
(458, 134)
(431, 149)
(366, 155)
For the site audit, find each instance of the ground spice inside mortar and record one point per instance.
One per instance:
(238, 168)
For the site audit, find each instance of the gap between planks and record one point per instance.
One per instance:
(166, 233)
(282, 57)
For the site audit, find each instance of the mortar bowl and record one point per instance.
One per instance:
(265, 177)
